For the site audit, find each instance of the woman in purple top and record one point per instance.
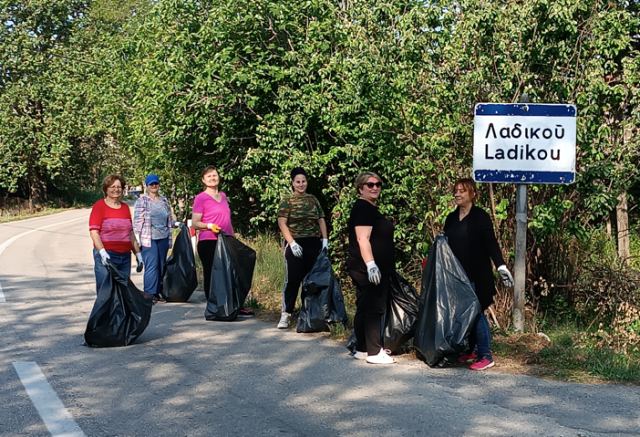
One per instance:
(210, 215)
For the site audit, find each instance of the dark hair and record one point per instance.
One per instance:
(298, 170)
(469, 185)
(109, 180)
(207, 169)
(362, 178)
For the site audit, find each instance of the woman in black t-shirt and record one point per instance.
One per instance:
(370, 264)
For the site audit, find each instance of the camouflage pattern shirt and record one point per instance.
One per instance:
(302, 212)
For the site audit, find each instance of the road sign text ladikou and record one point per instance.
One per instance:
(524, 143)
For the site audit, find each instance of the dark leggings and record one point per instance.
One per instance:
(295, 269)
(371, 304)
(206, 250)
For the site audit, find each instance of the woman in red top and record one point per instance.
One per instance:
(111, 231)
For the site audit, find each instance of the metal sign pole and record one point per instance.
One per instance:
(520, 263)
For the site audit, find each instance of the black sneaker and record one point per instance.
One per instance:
(158, 298)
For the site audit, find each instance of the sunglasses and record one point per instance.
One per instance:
(154, 183)
(370, 185)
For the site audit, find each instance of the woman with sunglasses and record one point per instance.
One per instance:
(112, 233)
(301, 221)
(370, 263)
(470, 234)
(152, 223)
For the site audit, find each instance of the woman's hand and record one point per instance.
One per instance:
(374, 272)
(213, 227)
(140, 265)
(104, 256)
(296, 249)
(505, 275)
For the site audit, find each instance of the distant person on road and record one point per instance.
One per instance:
(152, 223)
(211, 214)
(470, 234)
(112, 232)
(371, 262)
(301, 221)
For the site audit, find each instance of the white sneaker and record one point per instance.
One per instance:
(360, 355)
(381, 358)
(284, 320)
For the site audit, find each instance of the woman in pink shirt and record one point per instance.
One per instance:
(210, 215)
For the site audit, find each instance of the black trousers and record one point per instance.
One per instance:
(206, 250)
(371, 305)
(295, 269)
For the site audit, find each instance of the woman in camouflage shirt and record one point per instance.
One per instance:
(301, 221)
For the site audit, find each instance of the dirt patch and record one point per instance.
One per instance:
(519, 354)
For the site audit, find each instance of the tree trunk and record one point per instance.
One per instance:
(37, 192)
(622, 212)
(622, 227)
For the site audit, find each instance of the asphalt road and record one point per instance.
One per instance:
(190, 377)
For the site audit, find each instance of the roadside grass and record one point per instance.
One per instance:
(18, 209)
(268, 276)
(10, 215)
(570, 355)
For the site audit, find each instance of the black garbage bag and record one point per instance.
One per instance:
(449, 307)
(120, 313)
(402, 314)
(322, 299)
(180, 278)
(231, 276)
(400, 317)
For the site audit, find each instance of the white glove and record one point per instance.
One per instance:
(296, 249)
(325, 243)
(104, 256)
(505, 275)
(140, 263)
(374, 272)
(176, 224)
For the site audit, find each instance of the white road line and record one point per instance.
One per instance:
(54, 415)
(10, 241)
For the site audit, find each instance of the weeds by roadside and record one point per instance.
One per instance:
(569, 355)
(10, 216)
(13, 209)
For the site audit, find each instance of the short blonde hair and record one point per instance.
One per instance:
(361, 179)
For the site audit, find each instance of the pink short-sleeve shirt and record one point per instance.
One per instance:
(213, 211)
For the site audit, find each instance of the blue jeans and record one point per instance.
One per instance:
(155, 260)
(121, 262)
(480, 337)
